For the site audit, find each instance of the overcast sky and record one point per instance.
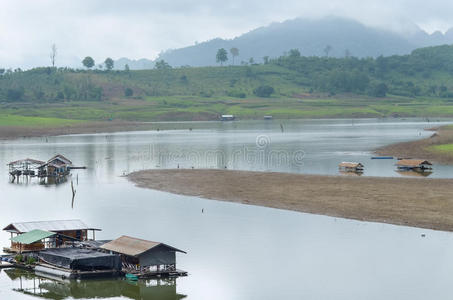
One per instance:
(143, 28)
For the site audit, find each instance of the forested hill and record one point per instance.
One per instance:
(331, 36)
(427, 72)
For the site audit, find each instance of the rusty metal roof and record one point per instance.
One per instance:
(55, 225)
(133, 246)
(413, 162)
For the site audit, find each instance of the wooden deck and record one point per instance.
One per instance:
(163, 273)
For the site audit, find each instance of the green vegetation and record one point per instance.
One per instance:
(88, 62)
(445, 149)
(18, 258)
(222, 56)
(109, 63)
(291, 86)
(30, 260)
(25, 121)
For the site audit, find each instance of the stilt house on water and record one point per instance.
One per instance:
(419, 165)
(351, 167)
(145, 258)
(27, 167)
(63, 230)
(56, 166)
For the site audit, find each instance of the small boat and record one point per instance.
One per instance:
(382, 157)
(132, 277)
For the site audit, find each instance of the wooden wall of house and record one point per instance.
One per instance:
(159, 255)
(73, 233)
(23, 247)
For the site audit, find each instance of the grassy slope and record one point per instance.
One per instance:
(198, 94)
(24, 121)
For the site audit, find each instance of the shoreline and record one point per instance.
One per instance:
(424, 203)
(423, 149)
(16, 132)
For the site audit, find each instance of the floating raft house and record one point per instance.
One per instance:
(351, 167)
(414, 164)
(65, 230)
(61, 248)
(145, 258)
(78, 263)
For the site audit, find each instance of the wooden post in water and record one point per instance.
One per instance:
(73, 194)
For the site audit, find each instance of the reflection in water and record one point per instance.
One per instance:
(45, 181)
(412, 173)
(349, 173)
(53, 288)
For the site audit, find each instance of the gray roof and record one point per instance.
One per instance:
(26, 161)
(56, 225)
(61, 158)
(133, 246)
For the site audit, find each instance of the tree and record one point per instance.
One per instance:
(128, 92)
(327, 50)
(15, 94)
(347, 53)
(380, 90)
(251, 61)
(295, 53)
(266, 60)
(2, 71)
(88, 62)
(264, 91)
(222, 56)
(53, 54)
(162, 65)
(126, 68)
(109, 63)
(234, 52)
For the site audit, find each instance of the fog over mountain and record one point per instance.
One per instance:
(311, 37)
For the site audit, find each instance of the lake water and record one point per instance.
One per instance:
(234, 251)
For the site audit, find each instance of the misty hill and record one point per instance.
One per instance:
(140, 64)
(311, 38)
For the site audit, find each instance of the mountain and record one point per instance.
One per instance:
(311, 37)
(139, 64)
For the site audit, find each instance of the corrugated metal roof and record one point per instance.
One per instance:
(61, 158)
(413, 162)
(27, 161)
(133, 246)
(32, 236)
(56, 225)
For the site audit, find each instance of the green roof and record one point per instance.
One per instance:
(32, 236)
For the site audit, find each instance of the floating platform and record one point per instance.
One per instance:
(163, 273)
(64, 273)
(382, 157)
(5, 265)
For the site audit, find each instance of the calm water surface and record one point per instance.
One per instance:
(234, 251)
